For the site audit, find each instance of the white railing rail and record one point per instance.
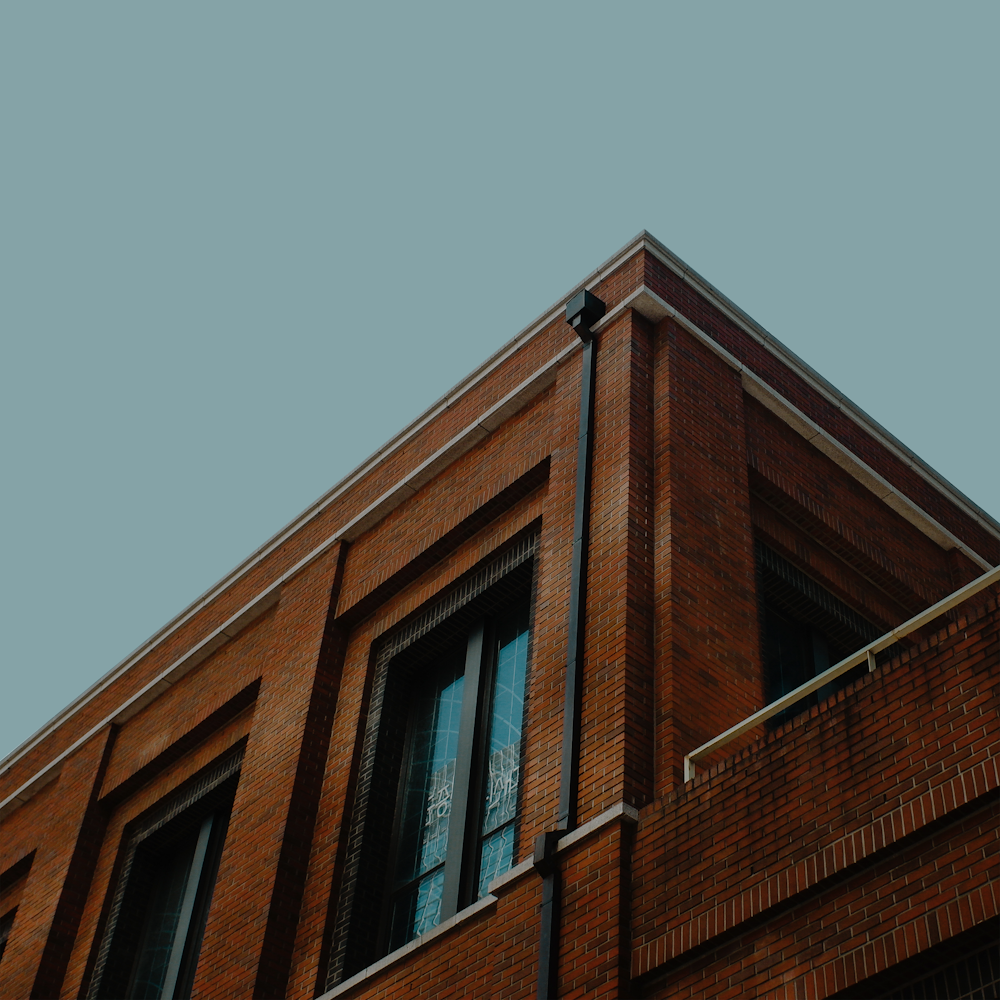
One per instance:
(865, 653)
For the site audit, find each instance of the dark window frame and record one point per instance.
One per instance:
(358, 934)
(462, 866)
(12, 883)
(155, 833)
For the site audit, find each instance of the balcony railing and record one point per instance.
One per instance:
(865, 653)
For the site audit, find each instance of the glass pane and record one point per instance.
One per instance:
(427, 794)
(504, 762)
(417, 910)
(497, 856)
(162, 914)
(506, 720)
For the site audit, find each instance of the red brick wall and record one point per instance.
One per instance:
(771, 845)
(798, 391)
(64, 828)
(242, 953)
(802, 486)
(121, 814)
(708, 664)
(616, 761)
(687, 470)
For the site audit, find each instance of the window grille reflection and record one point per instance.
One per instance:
(428, 792)
(504, 769)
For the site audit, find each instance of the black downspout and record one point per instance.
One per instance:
(582, 312)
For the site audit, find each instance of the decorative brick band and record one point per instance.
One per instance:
(857, 846)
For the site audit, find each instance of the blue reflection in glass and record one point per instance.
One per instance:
(427, 796)
(504, 764)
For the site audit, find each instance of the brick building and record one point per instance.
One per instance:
(454, 731)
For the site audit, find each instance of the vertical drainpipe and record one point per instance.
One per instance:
(582, 312)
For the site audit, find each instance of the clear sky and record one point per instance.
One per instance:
(243, 244)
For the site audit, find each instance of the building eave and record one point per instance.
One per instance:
(642, 241)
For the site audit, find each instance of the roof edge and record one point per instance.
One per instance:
(884, 436)
(642, 240)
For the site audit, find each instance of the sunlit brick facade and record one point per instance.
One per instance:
(328, 776)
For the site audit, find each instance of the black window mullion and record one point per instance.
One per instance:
(451, 897)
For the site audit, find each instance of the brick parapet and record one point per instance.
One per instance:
(847, 782)
(884, 911)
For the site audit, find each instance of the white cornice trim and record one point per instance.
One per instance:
(163, 681)
(463, 442)
(650, 305)
(816, 381)
(645, 299)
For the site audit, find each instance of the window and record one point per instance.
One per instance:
(459, 790)
(804, 631)
(12, 882)
(434, 811)
(170, 860)
(6, 925)
(180, 884)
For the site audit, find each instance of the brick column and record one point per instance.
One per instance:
(707, 633)
(250, 935)
(48, 915)
(617, 738)
(595, 943)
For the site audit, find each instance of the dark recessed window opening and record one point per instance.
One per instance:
(963, 967)
(975, 977)
(12, 882)
(6, 923)
(436, 813)
(459, 792)
(180, 880)
(171, 859)
(804, 631)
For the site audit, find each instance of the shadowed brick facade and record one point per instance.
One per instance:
(846, 851)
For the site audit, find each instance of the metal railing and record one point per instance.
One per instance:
(865, 653)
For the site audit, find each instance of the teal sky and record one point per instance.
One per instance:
(241, 245)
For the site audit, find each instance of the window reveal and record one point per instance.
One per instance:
(379, 904)
(174, 919)
(159, 910)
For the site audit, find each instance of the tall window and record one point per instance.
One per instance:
(159, 909)
(179, 891)
(458, 794)
(435, 808)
